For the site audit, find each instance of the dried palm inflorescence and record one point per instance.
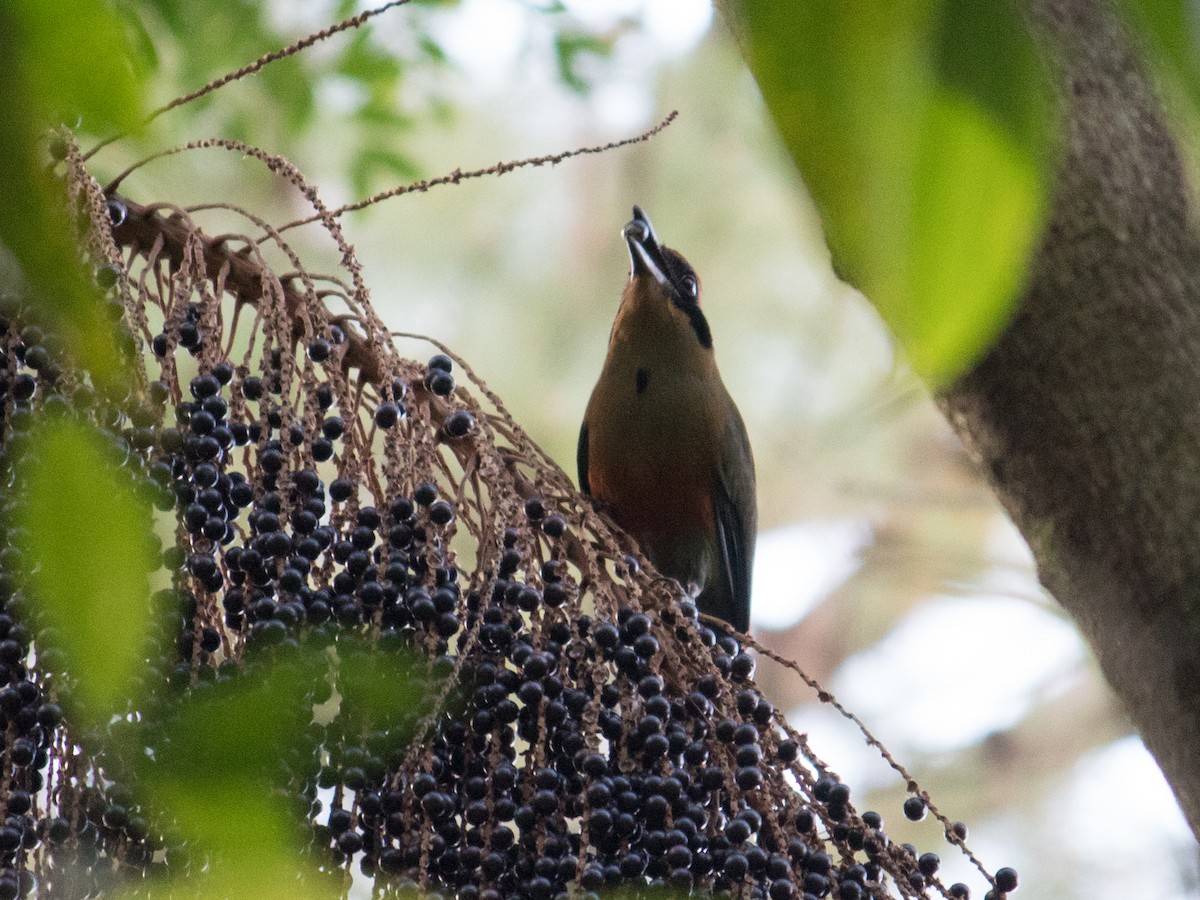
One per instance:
(580, 727)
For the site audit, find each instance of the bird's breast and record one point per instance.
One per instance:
(653, 445)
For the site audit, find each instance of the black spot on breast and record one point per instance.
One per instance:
(643, 379)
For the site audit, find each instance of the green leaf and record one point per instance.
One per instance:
(1171, 31)
(86, 544)
(216, 765)
(365, 61)
(372, 163)
(924, 138)
(432, 49)
(259, 856)
(570, 49)
(75, 55)
(290, 90)
(381, 688)
(144, 55)
(384, 115)
(214, 772)
(49, 76)
(964, 278)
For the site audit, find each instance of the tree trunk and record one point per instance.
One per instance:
(1086, 412)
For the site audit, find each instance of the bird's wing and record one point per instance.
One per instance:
(581, 459)
(736, 514)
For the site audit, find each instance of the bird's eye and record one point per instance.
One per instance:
(691, 286)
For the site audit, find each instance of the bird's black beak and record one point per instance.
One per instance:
(645, 252)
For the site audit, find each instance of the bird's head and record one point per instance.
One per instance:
(661, 282)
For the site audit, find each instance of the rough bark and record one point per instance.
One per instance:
(1086, 412)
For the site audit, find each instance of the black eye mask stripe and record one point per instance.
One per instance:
(677, 270)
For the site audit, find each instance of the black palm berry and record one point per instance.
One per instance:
(23, 387)
(764, 712)
(241, 494)
(307, 480)
(387, 414)
(747, 702)
(189, 336)
(107, 275)
(554, 526)
(440, 382)
(606, 635)
(319, 350)
(37, 357)
(1006, 879)
(736, 866)
(117, 211)
(252, 388)
(819, 862)
(914, 809)
(459, 424)
(804, 821)
(646, 646)
(203, 386)
(333, 427)
(441, 513)
(49, 715)
(23, 752)
(839, 794)
(749, 778)
(742, 666)
(271, 460)
(748, 755)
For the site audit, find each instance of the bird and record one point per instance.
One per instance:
(663, 449)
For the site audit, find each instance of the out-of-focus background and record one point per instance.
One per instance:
(885, 567)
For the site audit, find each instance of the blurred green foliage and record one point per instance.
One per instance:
(45, 85)
(87, 540)
(85, 536)
(1169, 26)
(212, 776)
(90, 578)
(573, 50)
(1170, 29)
(923, 135)
(184, 45)
(104, 93)
(216, 776)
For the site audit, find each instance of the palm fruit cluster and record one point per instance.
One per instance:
(576, 727)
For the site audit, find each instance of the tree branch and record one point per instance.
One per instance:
(1086, 412)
